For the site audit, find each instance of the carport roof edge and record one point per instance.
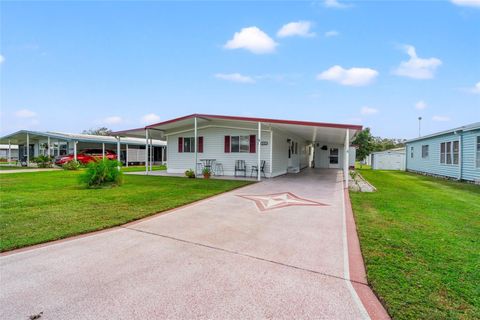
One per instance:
(248, 119)
(81, 137)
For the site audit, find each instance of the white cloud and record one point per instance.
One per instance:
(417, 68)
(368, 110)
(299, 28)
(112, 120)
(420, 105)
(349, 77)
(25, 113)
(234, 77)
(335, 4)
(467, 3)
(150, 118)
(332, 33)
(475, 89)
(252, 39)
(440, 118)
(2, 58)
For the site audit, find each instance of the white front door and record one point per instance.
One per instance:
(334, 160)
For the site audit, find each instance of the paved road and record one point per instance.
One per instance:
(271, 250)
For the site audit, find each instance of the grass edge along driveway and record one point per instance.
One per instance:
(420, 238)
(43, 206)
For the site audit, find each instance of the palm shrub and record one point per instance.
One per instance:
(101, 173)
(43, 161)
(71, 165)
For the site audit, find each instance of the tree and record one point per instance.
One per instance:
(102, 131)
(365, 144)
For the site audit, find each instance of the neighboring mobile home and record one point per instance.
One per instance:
(131, 150)
(8, 152)
(452, 153)
(393, 159)
(283, 145)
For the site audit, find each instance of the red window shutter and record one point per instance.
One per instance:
(180, 144)
(227, 144)
(253, 143)
(200, 144)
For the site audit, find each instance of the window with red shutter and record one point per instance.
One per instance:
(200, 144)
(180, 144)
(253, 143)
(227, 144)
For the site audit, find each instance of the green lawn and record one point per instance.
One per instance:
(43, 206)
(420, 237)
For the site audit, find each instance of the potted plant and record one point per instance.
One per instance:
(190, 174)
(206, 173)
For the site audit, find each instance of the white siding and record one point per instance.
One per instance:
(280, 153)
(213, 148)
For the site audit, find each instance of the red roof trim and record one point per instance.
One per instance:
(294, 122)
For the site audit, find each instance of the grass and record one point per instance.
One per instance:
(142, 168)
(44, 206)
(420, 237)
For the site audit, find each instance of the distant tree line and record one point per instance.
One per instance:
(366, 143)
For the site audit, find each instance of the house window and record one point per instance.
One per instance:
(442, 152)
(189, 144)
(478, 152)
(411, 152)
(425, 151)
(455, 152)
(449, 152)
(240, 144)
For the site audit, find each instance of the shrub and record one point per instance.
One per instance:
(43, 161)
(71, 165)
(102, 173)
(206, 173)
(190, 174)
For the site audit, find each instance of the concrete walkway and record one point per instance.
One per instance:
(28, 170)
(275, 249)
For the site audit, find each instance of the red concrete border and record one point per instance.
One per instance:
(358, 275)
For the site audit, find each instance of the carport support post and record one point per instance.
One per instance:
(146, 151)
(75, 150)
(259, 143)
(119, 158)
(345, 157)
(151, 154)
(103, 151)
(9, 152)
(195, 139)
(28, 149)
(126, 155)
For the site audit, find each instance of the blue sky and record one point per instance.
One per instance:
(69, 66)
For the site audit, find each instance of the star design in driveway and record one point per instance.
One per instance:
(280, 200)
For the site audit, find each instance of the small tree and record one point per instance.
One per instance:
(102, 131)
(364, 142)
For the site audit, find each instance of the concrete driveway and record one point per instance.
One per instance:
(275, 249)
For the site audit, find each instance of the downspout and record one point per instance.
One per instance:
(460, 158)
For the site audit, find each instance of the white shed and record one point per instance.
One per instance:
(393, 159)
